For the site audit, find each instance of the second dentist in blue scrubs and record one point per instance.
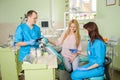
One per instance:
(96, 52)
(26, 35)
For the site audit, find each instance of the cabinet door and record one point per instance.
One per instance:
(40, 74)
(0, 73)
(8, 64)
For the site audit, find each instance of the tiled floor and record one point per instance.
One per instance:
(114, 74)
(21, 77)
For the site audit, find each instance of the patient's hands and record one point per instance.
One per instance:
(72, 57)
(82, 53)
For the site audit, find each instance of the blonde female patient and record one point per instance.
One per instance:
(70, 43)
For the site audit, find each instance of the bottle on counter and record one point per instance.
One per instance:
(33, 52)
(39, 53)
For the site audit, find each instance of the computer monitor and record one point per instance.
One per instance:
(44, 24)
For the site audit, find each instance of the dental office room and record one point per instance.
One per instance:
(34, 41)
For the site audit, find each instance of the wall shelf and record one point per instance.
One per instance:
(81, 10)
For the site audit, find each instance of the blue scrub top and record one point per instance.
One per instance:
(96, 52)
(23, 34)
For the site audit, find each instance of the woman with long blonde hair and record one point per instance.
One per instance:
(70, 39)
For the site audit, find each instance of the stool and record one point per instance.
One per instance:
(108, 60)
(97, 78)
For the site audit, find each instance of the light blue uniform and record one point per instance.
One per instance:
(96, 54)
(23, 34)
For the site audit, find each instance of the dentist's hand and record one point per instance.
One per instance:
(82, 69)
(36, 43)
(31, 42)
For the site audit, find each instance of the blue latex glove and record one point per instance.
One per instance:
(82, 68)
(37, 43)
(73, 50)
(31, 42)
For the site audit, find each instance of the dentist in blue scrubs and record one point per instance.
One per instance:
(26, 35)
(96, 52)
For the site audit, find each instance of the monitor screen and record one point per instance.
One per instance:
(44, 24)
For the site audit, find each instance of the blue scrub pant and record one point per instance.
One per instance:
(83, 74)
